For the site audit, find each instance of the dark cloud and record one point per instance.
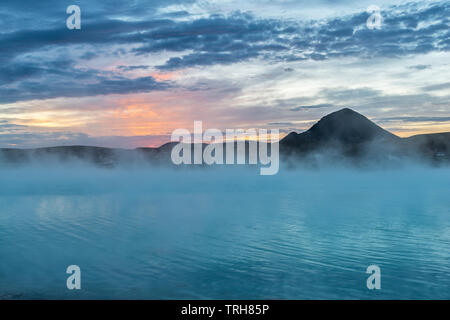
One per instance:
(70, 87)
(420, 67)
(242, 35)
(8, 128)
(22, 14)
(343, 94)
(206, 59)
(31, 67)
(177, 14)
(388, 107)
(132, 68)
(89, 55)
(283, 124)
(101, 32)
(417, 119)
(316, 106)
(437, 87)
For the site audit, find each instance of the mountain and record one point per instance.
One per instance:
(435, 146)
(344, 134)
(344, 129)
(351, 135)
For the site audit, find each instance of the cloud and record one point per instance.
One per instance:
(86, 85)
(284, 124)
(8, 128)
(316, 106)
(132, 68)
(437, 87)
(244, 32)
(420, 67)
(343, 94)
(225, 40)
(378, 100)
(32, 67)
(206, 59)
(104, 32)
(417, 119)
(89, 55)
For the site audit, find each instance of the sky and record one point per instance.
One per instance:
(139, 69)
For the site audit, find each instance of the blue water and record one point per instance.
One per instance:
(224, 234)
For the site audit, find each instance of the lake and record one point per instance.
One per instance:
(227, 233)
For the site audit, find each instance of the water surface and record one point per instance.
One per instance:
(224, 234)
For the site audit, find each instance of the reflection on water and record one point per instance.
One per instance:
(228, 234)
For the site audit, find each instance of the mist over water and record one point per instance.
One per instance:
(224, 233)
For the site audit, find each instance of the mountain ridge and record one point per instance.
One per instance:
(347, 125)
(345, 132)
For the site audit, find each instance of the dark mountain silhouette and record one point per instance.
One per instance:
(344, 126)
(351, 135)
(345, 134)
(434, 146)
(344, 130)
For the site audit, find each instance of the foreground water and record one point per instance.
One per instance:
(229, 234)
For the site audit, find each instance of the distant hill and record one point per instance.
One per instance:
(353, 135)
(344, 134)
(435, 146)
(344, 126)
